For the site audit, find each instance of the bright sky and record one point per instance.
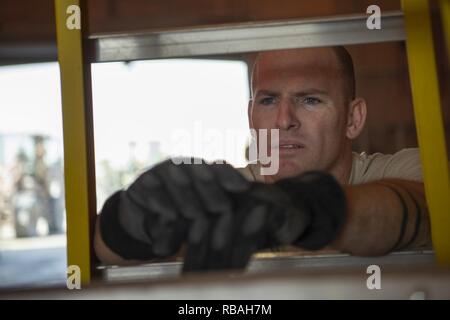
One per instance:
(141, 102)
(30, 100)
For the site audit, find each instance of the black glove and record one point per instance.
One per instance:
(172, 204)
(257, 221)
(321, 195)
(221, 217)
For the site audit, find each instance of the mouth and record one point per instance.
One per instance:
(288, 147)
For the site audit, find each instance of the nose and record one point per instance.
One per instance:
(286, 117)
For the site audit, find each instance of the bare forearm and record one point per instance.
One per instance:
(383, 216)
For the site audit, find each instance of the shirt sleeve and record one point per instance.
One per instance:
(404, 164)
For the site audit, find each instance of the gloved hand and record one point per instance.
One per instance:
(220, 216)
(212, 208)
(321, 195)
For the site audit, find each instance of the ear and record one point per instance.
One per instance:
(356, 118)
(249, 113)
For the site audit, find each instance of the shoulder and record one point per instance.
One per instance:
(404, 164)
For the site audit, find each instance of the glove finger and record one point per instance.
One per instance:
(321, 230)
(169, 237)
(329, 215)
(221, 243)
(198, 246)
(132, 218)
(160, 203)
(148, 192)
(179, 185)
(250, 236)
(230, 242)
(143, 186)
(294, 224)
(158, 223)
(213, 197)
(164, 235)
(230, 178)
(160, 219)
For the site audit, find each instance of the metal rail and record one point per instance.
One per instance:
(249, 37)
(414, 278)
(277, 263)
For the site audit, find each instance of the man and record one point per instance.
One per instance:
(322, 195)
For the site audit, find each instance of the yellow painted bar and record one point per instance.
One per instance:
(429, 123)
(70, 59)
(445, 14)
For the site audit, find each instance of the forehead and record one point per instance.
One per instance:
(297, 68)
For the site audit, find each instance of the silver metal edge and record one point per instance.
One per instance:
(248, 37)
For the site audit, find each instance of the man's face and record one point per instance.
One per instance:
(301, 93)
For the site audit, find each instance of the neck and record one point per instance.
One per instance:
(340, 170)
(343, 168)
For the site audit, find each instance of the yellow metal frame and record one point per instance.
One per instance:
(70, 57)
(430, 127)
(427, 108)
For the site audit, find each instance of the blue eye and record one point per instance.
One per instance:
(312, 101)
(267, 101)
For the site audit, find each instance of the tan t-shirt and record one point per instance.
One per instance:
(404, 164)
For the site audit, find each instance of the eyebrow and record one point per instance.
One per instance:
(301, 93)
